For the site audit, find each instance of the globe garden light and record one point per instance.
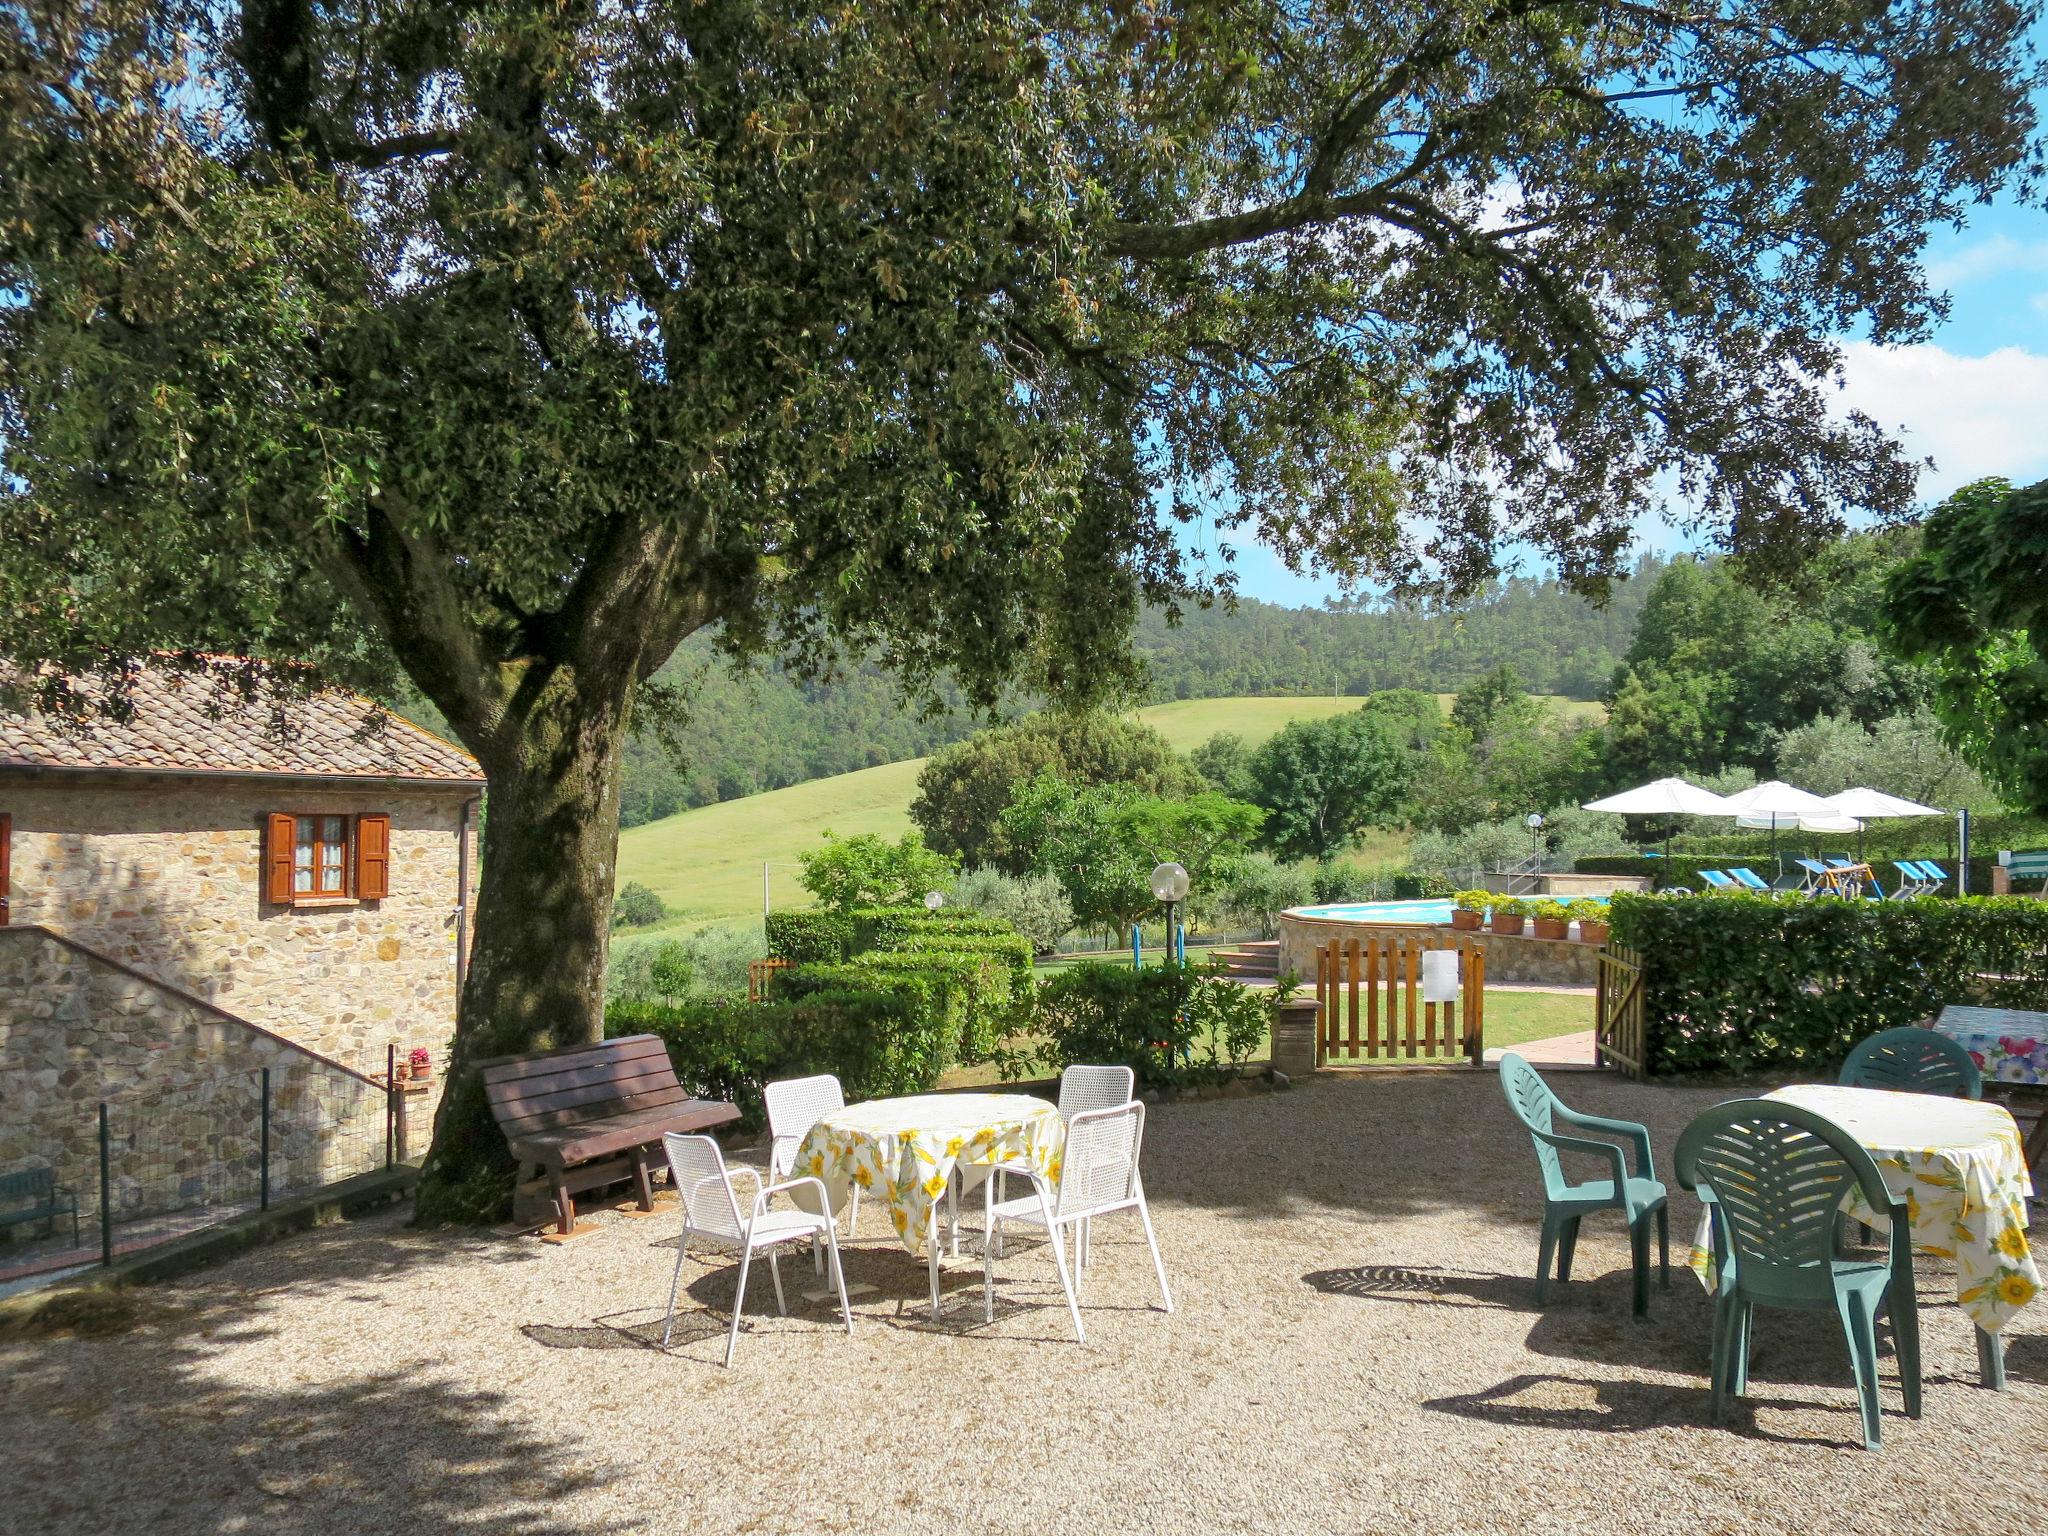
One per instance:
(1534, 821)
(933, 900)
(1169, 882)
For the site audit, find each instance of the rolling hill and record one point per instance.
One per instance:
(706, 864)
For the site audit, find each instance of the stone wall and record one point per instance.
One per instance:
(183, 1082)
(1520, 961)
(165, 875)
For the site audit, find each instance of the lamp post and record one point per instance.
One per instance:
(1170, 885)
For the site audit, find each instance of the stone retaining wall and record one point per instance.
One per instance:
(183, 1082)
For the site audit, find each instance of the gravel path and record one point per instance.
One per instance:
(1356, 1349)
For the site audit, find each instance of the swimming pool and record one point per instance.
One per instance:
(1418, 912)
(1379, 912)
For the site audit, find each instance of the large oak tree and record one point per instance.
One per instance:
(496, 347)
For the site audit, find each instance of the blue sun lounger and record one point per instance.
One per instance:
(1750, 879)
(1913, 880)
(1719, 881)
(1935, 873)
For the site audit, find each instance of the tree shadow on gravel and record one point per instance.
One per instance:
(122, 1417)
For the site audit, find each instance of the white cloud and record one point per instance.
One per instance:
(1974, 416)
(1956, 266)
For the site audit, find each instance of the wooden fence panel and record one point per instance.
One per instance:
(1370, 1007)
(1620, 1039)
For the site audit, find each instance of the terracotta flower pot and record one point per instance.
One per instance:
(1592, 933)
(1552, 927)
(1508, 923)
(1463, 921)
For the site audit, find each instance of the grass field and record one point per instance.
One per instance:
(706, 864)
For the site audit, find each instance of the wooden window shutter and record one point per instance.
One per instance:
(6, 849)
(373, 856)
(279, 833)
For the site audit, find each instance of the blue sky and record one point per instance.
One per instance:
(1974, 397)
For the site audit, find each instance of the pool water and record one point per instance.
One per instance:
(1418, 912)
(1381, 912)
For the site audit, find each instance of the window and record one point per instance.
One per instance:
(322, 856)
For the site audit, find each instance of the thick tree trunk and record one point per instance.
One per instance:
(536, 970)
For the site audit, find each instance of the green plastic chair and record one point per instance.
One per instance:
(1773, 1177)
(1913, 1060)
(1638, 1197)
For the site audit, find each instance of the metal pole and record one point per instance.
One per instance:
(764, 890)
(1962, 853)
(263, 1156)
(106, 1193)
(390, 1103)
(1137, 954)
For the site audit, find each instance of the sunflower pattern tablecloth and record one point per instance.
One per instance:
(1959, 1166)
(906, 1149)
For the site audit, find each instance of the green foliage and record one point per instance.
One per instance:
(1662, 873)
(1101, 842)
(1900, 754)
(1474, 901)
(1009, 950)
(1411, 719)
(1550, 910)
(636, 906)
(1170, 1024)
(1260, 889)
(966, 1000)
(1322, 782)
(809, 936)
(1972, 607)
(1784, 984)
(1586, 910)
(1343, 880)
(888, 927)
(879, 1043)
(710, 963)
(869, 871)
(1224, 761)
(1036, 906)
(963, 792)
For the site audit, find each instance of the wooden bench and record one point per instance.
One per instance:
(587, 1115)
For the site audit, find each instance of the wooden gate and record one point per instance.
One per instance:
(1618, 1036)
(1369, 1001)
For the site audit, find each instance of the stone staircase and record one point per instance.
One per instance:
(1255, 960)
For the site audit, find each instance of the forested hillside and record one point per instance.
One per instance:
(768, 729)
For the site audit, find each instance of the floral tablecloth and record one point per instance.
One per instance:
(2009, 1045)
(1959, 1165)
(906, 1149)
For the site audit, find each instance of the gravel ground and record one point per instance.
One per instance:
(1356, 1348)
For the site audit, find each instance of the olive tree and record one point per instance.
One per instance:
(492, 349)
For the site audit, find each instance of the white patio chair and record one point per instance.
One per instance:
(795, 1105)
(711, 1211)
(1098, 1177)
(1081, 1089)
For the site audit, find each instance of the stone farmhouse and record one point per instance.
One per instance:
(208, 888)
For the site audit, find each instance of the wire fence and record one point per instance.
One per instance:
(152, 1164)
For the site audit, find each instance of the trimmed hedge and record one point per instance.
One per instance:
(967, 999)
(1170, 1024)
(889, 927)
(878, 1043)
(807, 936)
(1662, 872)
(1787, 984)
(1010, 951)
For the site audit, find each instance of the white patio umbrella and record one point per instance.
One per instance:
(1663, 797)
(1863, 805)
(1776, 804)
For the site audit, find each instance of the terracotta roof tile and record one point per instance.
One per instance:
(183, 724)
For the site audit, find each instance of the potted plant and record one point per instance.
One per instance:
(1468, 909)
(421, 1063)
(1552, 919)
(1591, 916)
(1508, 915)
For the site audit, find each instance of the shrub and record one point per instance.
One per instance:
(877, 1043)
(866, 870)
(636, 906)
(886, 927)
(1475, 901)
(1169, 1024)
(1260, 889)
(1549, 911)
(1764, 983)
(965, 999)
(1035, 905)
(1422, 885)
(1344, 881)
(1586, 910)
(809, 936)
(709, 963)
(1010, 951)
